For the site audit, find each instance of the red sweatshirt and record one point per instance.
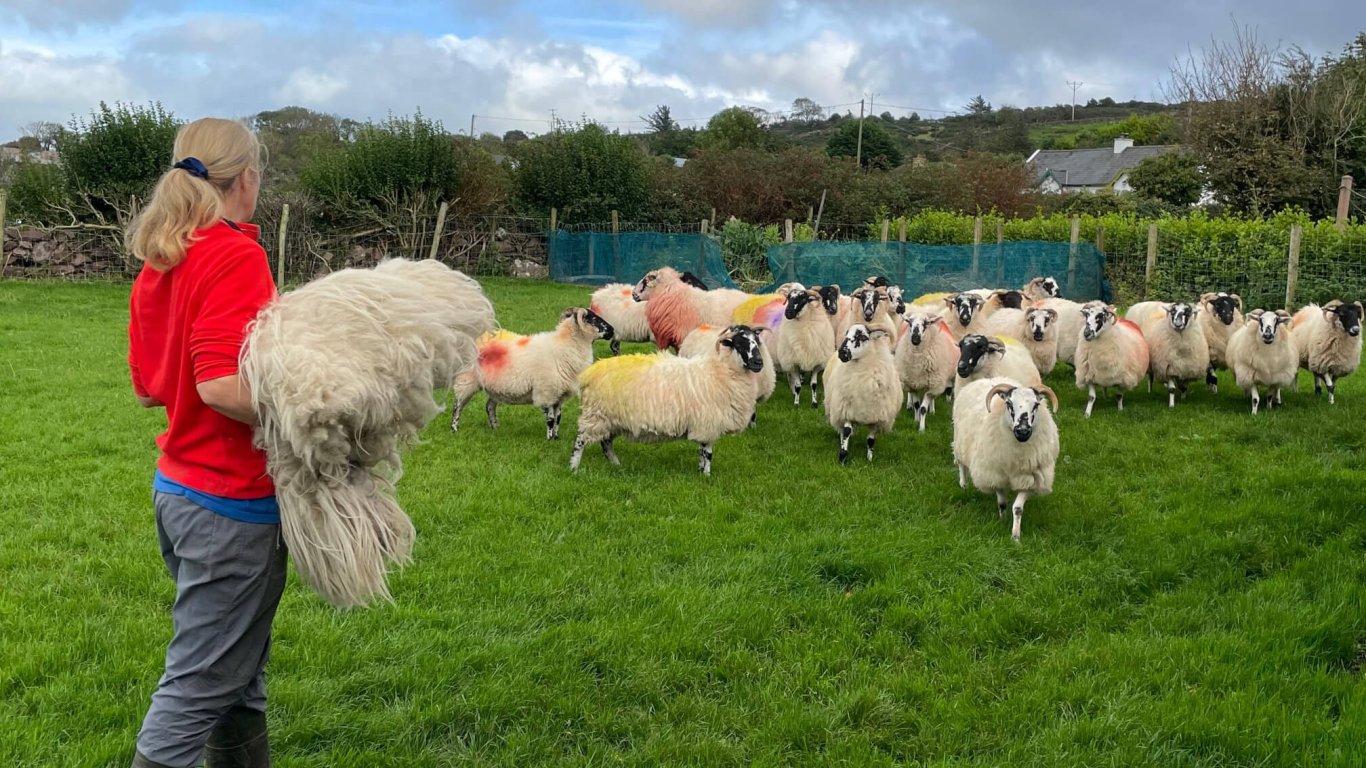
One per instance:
(186, 326)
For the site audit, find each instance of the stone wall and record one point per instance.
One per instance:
(61, 253)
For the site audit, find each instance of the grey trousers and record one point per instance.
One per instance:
(229, 576)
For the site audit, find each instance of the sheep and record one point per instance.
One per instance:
(981, 357)
(927, 360)
(1263, 353)
(862, 386)
(1034, 327)
(964, 308)
(1329, 342)
(1041, 288)
(660, 397)
(341, 374)
(1006, 449)
(872, 305)
(1178, 351)
(1069, 326)
(1219, 320)
(675, 305)
(615, 305)
(1111, 353)
(805, 339)
(540, 370)
(703, 339)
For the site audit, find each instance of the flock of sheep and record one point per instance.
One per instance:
(872, 350)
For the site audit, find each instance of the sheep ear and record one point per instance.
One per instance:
(1237, 298)
(878, 333)
(1282, 314)
(1003, 390)
(1046, 391)
(934, 319)
(1052, 315)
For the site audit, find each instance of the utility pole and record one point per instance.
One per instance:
(472, 126)
(554, 126)
(858, 152)
(1075, 86)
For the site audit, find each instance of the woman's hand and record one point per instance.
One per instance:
(149, 402)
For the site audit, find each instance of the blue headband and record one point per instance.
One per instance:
(192, 166)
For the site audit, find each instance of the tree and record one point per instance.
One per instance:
(806, 110)
(114, 157)
(514, 137)
(886, 117)
(978, 106)
(1173, 177)
(879, 151)
(734, 128)
(1107, 102)
(44, 134)
(661, 121)
(292, 135)
(586, 173)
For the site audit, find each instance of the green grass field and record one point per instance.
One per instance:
(1192, 594)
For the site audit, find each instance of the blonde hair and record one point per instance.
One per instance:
(182, 202)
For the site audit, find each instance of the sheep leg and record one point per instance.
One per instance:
(1318, 383)
(794, 383)
(1150, 382)
(559, 413)
(910, 400)
(845, 433)
(615, 346)
(1171, 393)
(1020, 500)
(1256, 399)
(1182, 387)
(462, 399)
(1332, 389)
(931, 399)
(1001, 504)
(926, 404)
(1279, 403)
(949, 392)
(962, 476)
(491, 408)
(1121, 399)
(577, 455)
(705, 464)
(872, 438)
(815, 382)
(609, 452)
(1090, 399)
(549, 412)
(1211, 380)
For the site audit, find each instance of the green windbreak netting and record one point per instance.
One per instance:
(598, 258)
(920, 269)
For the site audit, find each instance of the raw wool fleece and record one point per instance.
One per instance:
(1118, 357)
(341, 374)
(541, 370)
(1257, 364)
(702, 341)
(1324, 348)
(1015, 324)
(614, 304)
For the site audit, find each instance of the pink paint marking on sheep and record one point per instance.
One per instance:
(672, 315)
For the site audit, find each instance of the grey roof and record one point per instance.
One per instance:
(1091, 167)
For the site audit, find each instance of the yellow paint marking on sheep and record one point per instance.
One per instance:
(502, 334)
(745, 312)
(615, 372)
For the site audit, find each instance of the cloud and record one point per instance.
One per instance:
(38, 84)
(46, 15)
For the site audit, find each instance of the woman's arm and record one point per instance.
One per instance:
(229, 396)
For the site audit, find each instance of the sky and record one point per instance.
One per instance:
(517, 63)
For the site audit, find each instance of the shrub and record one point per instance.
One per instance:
(745, 249)
(37, 193)
(115, 156)
(586, 173)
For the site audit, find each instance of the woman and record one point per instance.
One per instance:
(204, 278)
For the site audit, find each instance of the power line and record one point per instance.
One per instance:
(920, 109)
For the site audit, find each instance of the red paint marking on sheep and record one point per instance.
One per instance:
(493, 357)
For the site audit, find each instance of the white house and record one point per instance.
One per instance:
(1091, 170)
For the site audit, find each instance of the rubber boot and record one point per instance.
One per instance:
(239, 741)
(140, 761)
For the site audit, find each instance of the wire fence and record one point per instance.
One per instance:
(1271, 265)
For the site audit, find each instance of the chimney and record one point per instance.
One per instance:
(1122, 142)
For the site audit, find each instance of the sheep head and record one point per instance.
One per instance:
(1021, 406)
(1347, 315)
(1096, 316)
(743, 342)
(1040, 319)
(964, 305)
(587, 319)
(858, 340)
(1179, 315)
(798, 301)
(1222, 305)
(973, 351)
(1268, 323)
(918, 324)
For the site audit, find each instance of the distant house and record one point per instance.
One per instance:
(14, 154)
(1091, 170)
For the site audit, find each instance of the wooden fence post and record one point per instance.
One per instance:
(1152, 261)
(1344, 202)
(4, 195)
(703, 227)
(616, 246)
(280, 254)
(901, 252)
(554, 219)
(1000, 253)
(436, 236)
(713, 218)
(1292, 272)
(787, 230)
(886, 229)
(901, 230)
(976, 250)
(1072, 255)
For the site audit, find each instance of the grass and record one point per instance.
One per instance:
(1191, 594)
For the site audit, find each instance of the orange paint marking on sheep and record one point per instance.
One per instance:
(522, 342)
